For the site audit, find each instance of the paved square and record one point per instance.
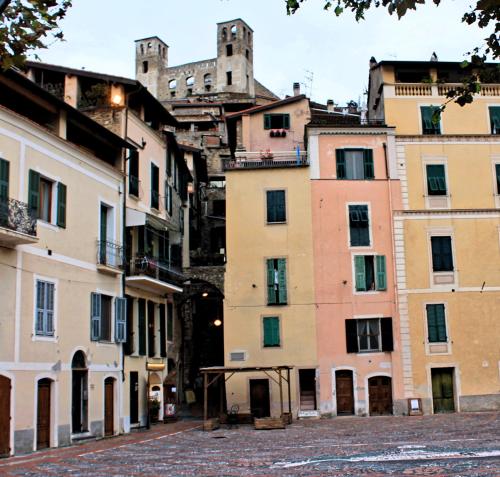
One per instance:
(440, 445)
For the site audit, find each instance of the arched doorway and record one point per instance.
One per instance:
(109, 406)
(43, 417)
(79, 395)
(4, 416)
(380, 395)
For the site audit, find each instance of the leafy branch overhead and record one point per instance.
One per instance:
(486, 14)
(27, 25)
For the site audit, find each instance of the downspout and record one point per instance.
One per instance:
(124, 227)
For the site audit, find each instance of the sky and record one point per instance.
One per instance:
(329, 55)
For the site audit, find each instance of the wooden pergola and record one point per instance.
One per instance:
(275, 373)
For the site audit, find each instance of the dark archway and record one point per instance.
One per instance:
(79, 393)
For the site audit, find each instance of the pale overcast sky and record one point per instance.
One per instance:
(100, 36)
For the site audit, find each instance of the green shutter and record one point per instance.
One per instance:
(271, 206)
(340, 154)
(436, 324)
(381, 279)
(268, 340)
(436, 179)
(368, 164)
(282, 281)
(359, 272)
(142, 326)
(495, 119)
(271, 294)
(286, 121)
(4, 179)
(271, 331)
(61, 205)
(34, 191)
(120, 320)
(95, 316)
(267, 121)
(428, 124)
(497, 172)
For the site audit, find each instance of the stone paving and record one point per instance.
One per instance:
(459, 445)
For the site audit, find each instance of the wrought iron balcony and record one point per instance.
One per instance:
(110, 254)
(17, 223)
(266, 160)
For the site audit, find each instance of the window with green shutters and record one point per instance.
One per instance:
(142, 325)
(436, 179)
(61, 205)
(494, 119)
(276, 121)
(442, 255)
(271, 326)
(276, 281)
(370, 273)
(429, 126)
(34, 191)
(276, 206)
(4, 180)
(355, 164)
(497, 176)
(359, 227)
(436, 323)
(40, 196)
(120, 320)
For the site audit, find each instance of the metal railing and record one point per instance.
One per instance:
(266, 160)
(17, 216)
(110, 254)
(154, 267)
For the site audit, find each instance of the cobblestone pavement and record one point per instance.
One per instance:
(456, 445)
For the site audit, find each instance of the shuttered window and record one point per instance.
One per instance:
(34, 191)
(4, 179)
(44, 321)
(369, 335)
(497, 176)
(359, 230)
(155, 187)
(168, 198)
(120, 320)
(370, 272)
(133, 173)
(61, 205)
(128, 347)
(355, 164)
(276, 281)
(276, 206)
(151, 329)
(436, 179)
(436, 324)
(106, 318)
(142, 326)
(276, 121)
(163, 332)
(271, 326)
(442, 256)
(95, 316)
(495, 119)
(429, 126)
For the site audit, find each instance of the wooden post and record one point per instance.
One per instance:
(221, 389)
(289, 393)
(281, 393)
(205, 396)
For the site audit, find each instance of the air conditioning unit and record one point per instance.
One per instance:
(237, 356)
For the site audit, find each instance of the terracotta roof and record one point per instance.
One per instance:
(265, 107)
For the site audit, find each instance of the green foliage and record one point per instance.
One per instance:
(27, 25)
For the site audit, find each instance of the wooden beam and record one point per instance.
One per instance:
(205, 397)
(281, 393)
(289, 393)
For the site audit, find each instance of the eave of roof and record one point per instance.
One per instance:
(265, 107)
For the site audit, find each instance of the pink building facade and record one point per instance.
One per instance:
(355, 188)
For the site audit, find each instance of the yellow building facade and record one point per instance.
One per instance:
(446, 237)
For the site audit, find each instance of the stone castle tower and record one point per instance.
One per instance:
(151, 62)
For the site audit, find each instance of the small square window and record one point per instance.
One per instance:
(355, 164)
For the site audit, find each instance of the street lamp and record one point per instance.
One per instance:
(3, 5)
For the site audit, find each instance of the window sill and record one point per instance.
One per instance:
(372, 352)
(106, 343)
(271, 347)
(48, 225)
(368, 292)
(44, 338)
(277, 223)
(277, 304)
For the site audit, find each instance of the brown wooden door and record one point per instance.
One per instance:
(442, 390)
(43, 415)
(4, 416)
(108, 407)
(380, 395)
(345, 392)
(259, 398)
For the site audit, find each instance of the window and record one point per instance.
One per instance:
(219, 208)
(151, 329)
(370, 272)
(276, 121)
(168, 198)
(229, 49)
(142, 326)
(163, 332)
(271, 325)
(170, 322)
(40, 194)
(442, 256)
(369, 335)
(234, 31)
(128, 347)
(436, 179)
(229, 78)
(429, 126)
(133, 173)
(145, 67)
(207, 80)
(494, 119)
(106, 251)
(190, 81)
(4, 180)
(359, 230)
(155, 187)
(100, 318)
(355, 164)
(497, 174)
(247, 54)
(44, 322)
(172, 84)
(276, 281)
(276, 206)
(436, 324)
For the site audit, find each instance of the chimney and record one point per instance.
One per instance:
(296, 89)
(330, 106)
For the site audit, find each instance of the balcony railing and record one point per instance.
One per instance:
(266, 160)
(154, 267)
(17, 216)
(439, 89)
(413, 89)
(110, 254)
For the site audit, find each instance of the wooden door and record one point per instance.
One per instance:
(345, 392)
(259, 398)
(43, 414)
(134, 397)
(442, 390)
(4, 416)
(109, 415)
(380, 395)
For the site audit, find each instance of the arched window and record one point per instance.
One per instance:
(145, 66)
(172, 84)
(207, 79)
(234, 30)
(224, 34)
(190, 81)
